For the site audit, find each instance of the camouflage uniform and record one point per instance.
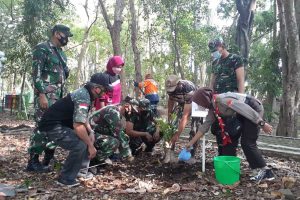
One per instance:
(225, 75)
(142, 121)
(109, 133)
(39, 141)
(226, 81)
(49, 75)
(57, 126)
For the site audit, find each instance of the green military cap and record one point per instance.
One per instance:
(144, 104)
(62, 28)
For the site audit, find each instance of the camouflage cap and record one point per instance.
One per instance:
(214, 43)
(171, 83)
(62, 28)
(144, 104)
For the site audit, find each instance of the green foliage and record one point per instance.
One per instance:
(166, 129)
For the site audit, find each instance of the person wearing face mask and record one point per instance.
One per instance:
(49, 73)
(113, 68)
(66, 124)
(228, 76)
(141, 127)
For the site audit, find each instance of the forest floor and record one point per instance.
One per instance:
(145, 178)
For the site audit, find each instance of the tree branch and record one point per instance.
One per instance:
(105, 16)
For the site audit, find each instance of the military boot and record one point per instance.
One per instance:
(34, 164)
(49, 155)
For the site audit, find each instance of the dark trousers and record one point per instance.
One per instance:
(249, 136)
(67, 139)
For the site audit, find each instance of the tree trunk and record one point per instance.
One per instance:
(174, 33)
(297, 9)
(136, 52)
(290, 55)
(84, 47)
(115, 33)
(244, 25)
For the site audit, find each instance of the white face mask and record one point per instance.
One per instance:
(117, 70)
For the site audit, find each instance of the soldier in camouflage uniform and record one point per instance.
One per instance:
(109, 134)
(141, 128)
(228, 76)
(66, 124)
(49, 74)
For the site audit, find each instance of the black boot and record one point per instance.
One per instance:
(49, 154)
(34, 164)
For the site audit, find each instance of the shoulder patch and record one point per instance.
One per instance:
(84, 106)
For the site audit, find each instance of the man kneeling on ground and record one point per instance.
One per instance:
(65, 123)
(110, 135)
(141, 128)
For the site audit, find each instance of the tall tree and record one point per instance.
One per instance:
(290, 57)
(115, 30)
(134, 37)
(84, 46)
(172, 9)
(244, 25)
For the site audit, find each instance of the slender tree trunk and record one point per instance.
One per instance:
(174, 32)
(290, 55)
(297, 9)
(134, 33)
(244, 25)
(80, 75)
(115, 33)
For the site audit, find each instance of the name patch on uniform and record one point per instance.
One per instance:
(84, 106)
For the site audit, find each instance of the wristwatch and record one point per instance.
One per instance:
(261, 123)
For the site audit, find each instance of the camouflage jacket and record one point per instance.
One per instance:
(184, 92)
(49, 73)
(224, 70)
(142, 122)
(107, 121)
(73, 108)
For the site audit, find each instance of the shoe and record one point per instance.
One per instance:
(49, 155)
(34, 165)
(85, 176)
(263, 174)
(67, 183)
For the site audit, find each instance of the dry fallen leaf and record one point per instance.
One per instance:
(276, 194)
(288, 182)
(175, 188)
(264, 185)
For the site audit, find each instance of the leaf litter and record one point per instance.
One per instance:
(145, 178)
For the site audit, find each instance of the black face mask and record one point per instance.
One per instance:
(63, 40)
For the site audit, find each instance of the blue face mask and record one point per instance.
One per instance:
(216, 55)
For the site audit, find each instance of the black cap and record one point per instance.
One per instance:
(62, 28)
(101, 79)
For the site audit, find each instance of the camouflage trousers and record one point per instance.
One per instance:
(38, 111)
(107, 145)
(39, 142)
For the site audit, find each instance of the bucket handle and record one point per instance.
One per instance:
(231, 167)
